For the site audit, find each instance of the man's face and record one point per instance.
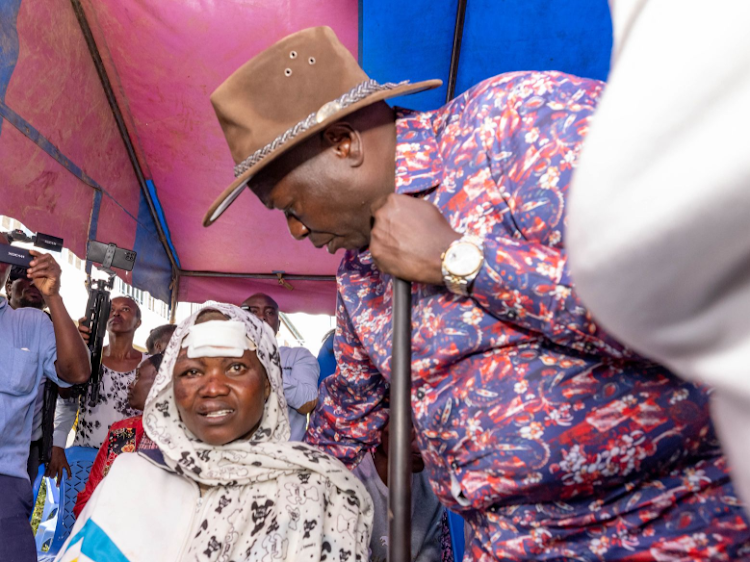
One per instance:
(327, 186)
(23, 293)
(122, 316)
(264, 308)
(319, 208)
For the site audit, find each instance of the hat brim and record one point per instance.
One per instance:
(231, 193)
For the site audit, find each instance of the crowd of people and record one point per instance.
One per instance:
(553, 438)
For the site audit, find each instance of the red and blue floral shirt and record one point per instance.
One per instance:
(124, 436)
(553, 440)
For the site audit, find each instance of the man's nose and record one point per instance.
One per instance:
(298, 230)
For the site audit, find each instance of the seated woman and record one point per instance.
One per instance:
(216, 477)
(125, 435)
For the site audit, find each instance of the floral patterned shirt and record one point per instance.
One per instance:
(123, 437)
(552, 440)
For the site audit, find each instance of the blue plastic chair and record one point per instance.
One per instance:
(80, 460)
(456, 526)
(51, 500)
(45, 533)
(48, 522)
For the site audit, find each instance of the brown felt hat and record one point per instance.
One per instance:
(287, 93)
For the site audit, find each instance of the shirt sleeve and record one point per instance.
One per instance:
(528, 284)
(353, 404)
(48, 352)
(95, 476)
(532, 141)
(301, 380)
(65, 417)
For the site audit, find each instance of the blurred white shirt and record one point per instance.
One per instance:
(659, 221)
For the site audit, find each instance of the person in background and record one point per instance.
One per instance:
(326, 357)
(125, 435)
(119, 361)
(299, 367)
(216, 477)
(22, 293)
(426, 511)
(32, 346)
(158, 338)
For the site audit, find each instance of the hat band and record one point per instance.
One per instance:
(357, 93)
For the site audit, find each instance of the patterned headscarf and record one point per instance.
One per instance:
(271, 499)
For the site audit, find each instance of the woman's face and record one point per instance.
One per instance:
(220, 399)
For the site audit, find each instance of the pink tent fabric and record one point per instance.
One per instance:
(163, 60)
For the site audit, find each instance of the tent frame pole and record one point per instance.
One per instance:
(120, 121)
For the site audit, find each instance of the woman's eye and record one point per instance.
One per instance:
(190, 373)
(237, 367)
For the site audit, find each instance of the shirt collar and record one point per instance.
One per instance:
(3, 302)
(419, 165)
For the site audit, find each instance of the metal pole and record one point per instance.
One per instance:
(109, 92)
(274, 276)
(458, 34)
(399, 447)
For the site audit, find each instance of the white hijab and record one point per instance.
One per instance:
(278, 500)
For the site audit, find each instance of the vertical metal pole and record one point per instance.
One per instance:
(399, 447)
(458, 34)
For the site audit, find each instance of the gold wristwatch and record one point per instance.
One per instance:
(461, 263)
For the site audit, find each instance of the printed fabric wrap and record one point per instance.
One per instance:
(276, 497)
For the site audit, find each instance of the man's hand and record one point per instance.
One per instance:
(85, 331)
(56, 464)
(408, 238)
(45, 273)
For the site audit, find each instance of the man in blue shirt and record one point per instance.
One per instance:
(22, 293)
(299, 367)
(28, 351)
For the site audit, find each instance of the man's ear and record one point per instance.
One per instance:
(346, 142)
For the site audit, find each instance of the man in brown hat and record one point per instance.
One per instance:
(549, 437)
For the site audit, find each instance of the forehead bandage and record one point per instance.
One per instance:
(218, 338)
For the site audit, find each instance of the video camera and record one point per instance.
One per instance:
(97, 309)
(21, 256)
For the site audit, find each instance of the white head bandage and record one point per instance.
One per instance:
(218, 338)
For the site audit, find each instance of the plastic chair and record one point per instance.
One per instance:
(51, 500)
(44, 535)
(80, 460)
(456, 526)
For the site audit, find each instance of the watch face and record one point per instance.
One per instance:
(463, 259)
